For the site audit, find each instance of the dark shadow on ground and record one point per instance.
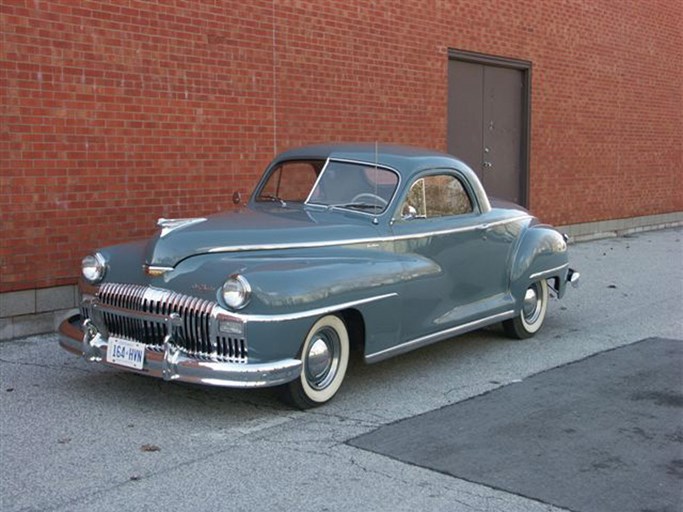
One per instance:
(601, 434)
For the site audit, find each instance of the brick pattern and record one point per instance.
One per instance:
(116, 113)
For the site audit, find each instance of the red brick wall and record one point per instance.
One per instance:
(116, 113)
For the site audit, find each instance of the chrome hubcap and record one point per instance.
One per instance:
(318, 359)
(322, 358)
(531, 308)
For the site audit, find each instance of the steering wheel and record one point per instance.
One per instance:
(369, 195)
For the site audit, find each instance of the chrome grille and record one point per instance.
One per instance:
(194, 333)
(232, 348)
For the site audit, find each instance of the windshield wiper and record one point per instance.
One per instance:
(273, 199)
(359, 206)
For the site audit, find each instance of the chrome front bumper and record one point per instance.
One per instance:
(172, 364)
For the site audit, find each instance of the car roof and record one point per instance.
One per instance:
(405, 159)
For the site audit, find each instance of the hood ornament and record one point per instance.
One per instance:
(168, 225)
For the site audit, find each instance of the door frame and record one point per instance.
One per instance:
(525, 67)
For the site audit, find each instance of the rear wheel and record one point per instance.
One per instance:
(324, 357)
(531, 317)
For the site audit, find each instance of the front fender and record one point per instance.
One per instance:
(292, 289)
(541, 254)
(299, 284)
(289, 282)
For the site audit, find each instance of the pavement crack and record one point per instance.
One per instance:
(360, 422)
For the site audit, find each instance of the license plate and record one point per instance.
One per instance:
(126, 353)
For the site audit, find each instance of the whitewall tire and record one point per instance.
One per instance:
(324, 357)
(532, 313)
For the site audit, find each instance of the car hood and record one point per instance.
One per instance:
(251, 229)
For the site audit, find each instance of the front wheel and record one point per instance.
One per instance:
(324, 357)
(530, 318)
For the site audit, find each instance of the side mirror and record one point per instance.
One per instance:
(236, 197)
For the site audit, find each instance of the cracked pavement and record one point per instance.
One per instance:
(72, 434)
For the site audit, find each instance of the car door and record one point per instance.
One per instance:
(440, 223)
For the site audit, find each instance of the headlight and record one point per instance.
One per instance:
(93, 268)
(236, 291)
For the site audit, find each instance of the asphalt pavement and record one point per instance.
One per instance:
(603, 434)
(79, 437)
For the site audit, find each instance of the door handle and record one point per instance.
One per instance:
(488, 164)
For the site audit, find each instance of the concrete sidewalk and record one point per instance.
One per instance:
(79, 437)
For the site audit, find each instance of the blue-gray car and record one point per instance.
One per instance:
(376, 248)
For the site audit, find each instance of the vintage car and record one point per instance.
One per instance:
(383, 249)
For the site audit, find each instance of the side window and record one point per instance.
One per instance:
(291, 181)
(439, 195)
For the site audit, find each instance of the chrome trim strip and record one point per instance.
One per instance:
(317, 180)
(311, 312)
(355, 241)
(299, 245)
(437, 336)
(544, 273)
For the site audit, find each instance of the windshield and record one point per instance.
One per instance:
(354, 186)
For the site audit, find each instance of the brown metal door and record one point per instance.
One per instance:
(486, 125)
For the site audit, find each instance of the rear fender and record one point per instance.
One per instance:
(541, 254)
